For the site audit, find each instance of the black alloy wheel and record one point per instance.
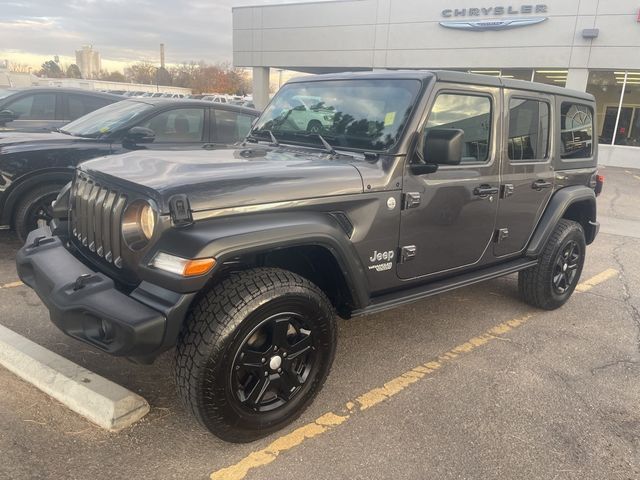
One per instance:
(34, 209)
(254, 352)
(566, 267)
(552, 281)
(273, 362)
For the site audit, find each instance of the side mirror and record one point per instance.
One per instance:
(443, 146)
(137, 135)
(7, 116)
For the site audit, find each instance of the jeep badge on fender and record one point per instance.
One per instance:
(239, 258)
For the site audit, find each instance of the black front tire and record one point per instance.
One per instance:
(34, 209)
(551, 283)
(210, 355)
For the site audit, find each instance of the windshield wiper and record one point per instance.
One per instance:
(64, 132)
(327, 145)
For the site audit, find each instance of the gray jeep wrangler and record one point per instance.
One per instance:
(415, 183)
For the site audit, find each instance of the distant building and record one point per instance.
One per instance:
(88, 60)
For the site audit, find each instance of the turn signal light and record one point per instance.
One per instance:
(193, 268)
(182, 266)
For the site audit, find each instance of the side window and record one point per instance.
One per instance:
(80, 105)
(470, 113)
(179, 125)
(576, 131)
(41, 106)
(528, 129)
(231, 127)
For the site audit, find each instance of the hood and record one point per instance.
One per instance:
(21, 141)
(231, 177)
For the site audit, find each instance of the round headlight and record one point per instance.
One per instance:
(138, 224)
(147, 221)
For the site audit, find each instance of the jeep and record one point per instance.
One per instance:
(240, 258)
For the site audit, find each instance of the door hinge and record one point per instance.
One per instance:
(411, 200)
(501, 234)
(507, 190)
(407, 253)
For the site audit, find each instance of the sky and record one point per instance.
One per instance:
(32, 31)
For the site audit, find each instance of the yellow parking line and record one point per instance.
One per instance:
(636, 177)
(11, 285)
(331, 420)
(600, 278)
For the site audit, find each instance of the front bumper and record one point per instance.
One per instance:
(86, 304)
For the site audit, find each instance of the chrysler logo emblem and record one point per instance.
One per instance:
(497, 24)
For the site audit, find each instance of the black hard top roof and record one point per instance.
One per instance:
(449, 76)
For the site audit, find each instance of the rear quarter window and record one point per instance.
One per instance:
(576, 131)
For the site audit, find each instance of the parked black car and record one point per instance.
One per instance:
(34, 166)
(41, 108)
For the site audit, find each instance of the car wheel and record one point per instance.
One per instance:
(314, 126)
(255, 350)
(549, 284)
(34, 209)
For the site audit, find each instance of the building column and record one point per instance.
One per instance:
(261, 87)
(577, 79)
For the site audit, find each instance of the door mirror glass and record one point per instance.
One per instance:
(137, 135)
(443, 146)
(7, 116)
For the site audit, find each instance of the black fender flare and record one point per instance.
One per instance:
(555, 211)
(227, 238)
(27, 182)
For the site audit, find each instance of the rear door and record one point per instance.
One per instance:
(448, 217)
(526, 170)
(229, 127)
(36, 111)
(183, 128)
(77, 105)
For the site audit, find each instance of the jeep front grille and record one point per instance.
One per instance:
(96, 212)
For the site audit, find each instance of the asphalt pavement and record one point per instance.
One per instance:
(472, 384)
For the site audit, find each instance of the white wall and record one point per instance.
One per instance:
(406, 33)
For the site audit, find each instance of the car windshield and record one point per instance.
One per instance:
(349, 114)
(106, 119)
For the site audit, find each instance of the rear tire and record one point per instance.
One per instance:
(254, 352)
(34, 209)
(551, 283)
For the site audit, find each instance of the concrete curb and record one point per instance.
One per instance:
(99, 400)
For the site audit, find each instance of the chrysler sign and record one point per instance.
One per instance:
(464, 17)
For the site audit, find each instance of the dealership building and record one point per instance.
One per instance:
(588, 45)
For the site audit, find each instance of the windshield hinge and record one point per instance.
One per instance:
(180, 210)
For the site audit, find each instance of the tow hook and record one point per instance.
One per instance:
(81, 281)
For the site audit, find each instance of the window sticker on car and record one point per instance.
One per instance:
(389, 119)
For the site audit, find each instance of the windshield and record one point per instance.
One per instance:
(106, 119)
(6, 93)
(351, 114)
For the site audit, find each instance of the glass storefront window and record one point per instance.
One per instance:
(618, 106)
(551, 76)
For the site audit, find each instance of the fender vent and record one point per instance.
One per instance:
(344, 222)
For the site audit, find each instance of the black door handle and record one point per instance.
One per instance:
(209, 146)
(540, 184)
(485, 190)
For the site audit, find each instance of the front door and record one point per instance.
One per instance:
(448, 217)
(527, 174)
